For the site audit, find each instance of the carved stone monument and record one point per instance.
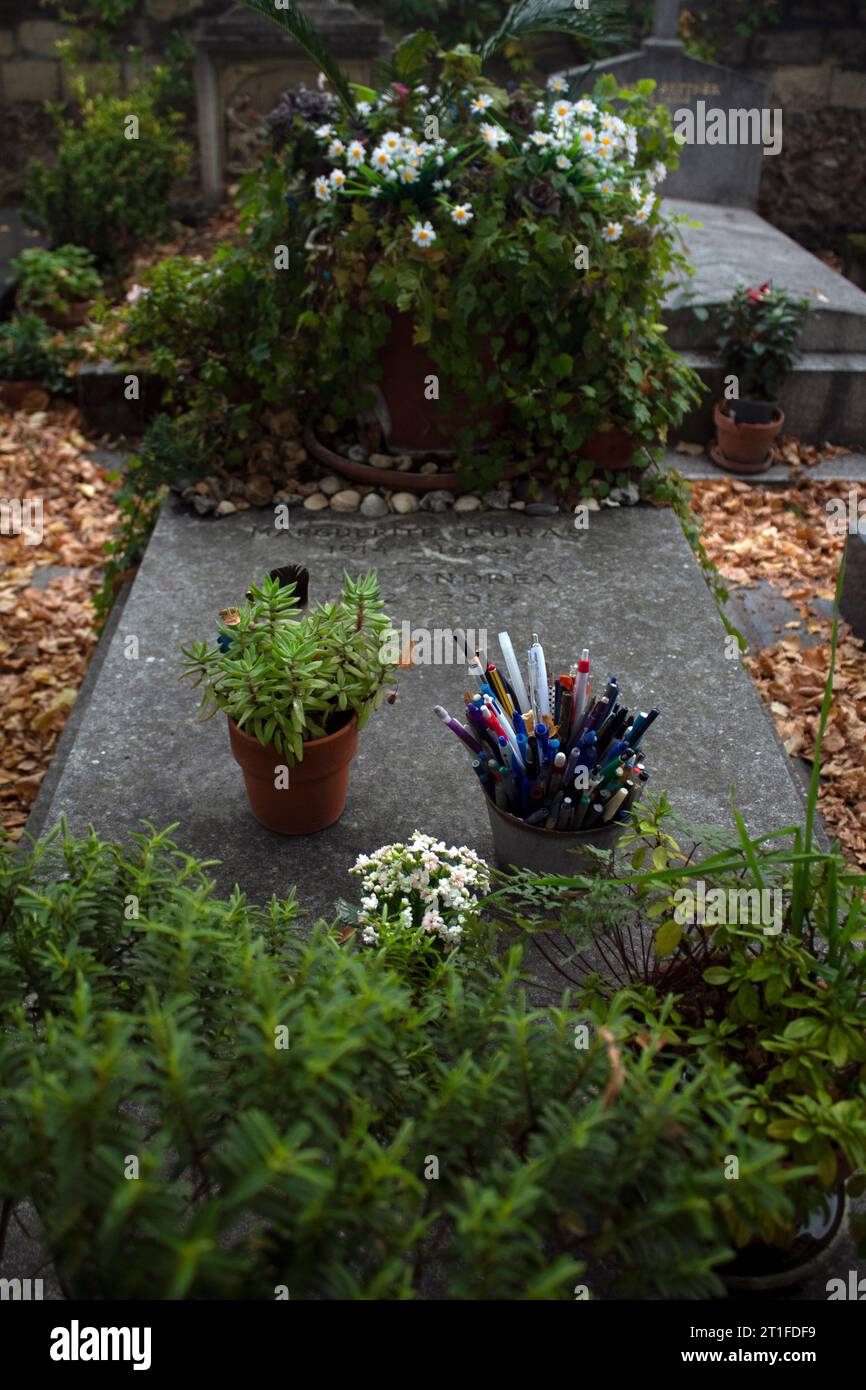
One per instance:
(244, 62)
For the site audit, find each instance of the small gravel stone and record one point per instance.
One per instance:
(374, 505)
(469, 503)
(203, 505)
(316, 502)
(437, 501)
(330, 485)
(626, 496)
(357, 453)
(346, 501)
(381, 461)
(404, 464)
(430, 467)
(404, 502)
(225, 508)
(498, 499)
(289, 499)
(517, 507)
(541, 509)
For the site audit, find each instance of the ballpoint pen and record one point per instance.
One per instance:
(513, 669)
(539, 691)
(580, 692)
(457, 728)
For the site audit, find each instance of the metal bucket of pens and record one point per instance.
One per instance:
(521, 846)
(560, 770)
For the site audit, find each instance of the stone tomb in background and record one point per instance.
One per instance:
(243, 64)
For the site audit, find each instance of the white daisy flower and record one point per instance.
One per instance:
(462, 214)
(391, 141)
(587, 137)
(585, 107)
(612, 231)
(338, 178)
(323, 189)
(563, 162)
(649, 203)
(557, 84)
(423, 234)
(492, 135)
(335, 149)
(438, 185)
(659, 171)
(539, 138)
(324, 132)
(409, 174)
(375, 191)
(635, 188)
(355, 153)
(562, 110)
(478, 105)
(380, 158)
(363, 108)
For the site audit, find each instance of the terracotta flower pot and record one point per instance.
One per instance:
(747, 445)
(613, 450)
(73, 316)
(417, 423)
(317, 785)
(14, 393)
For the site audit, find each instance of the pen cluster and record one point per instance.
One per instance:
(546, 750)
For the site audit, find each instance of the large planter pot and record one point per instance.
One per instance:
(612, 449)
(317, 786)
(379, 477)
(747, 448)
(759, 1269)
(415, 422)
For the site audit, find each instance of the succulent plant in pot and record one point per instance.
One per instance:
(297, 688)
(758, 345)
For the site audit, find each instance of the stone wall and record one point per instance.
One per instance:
(814, 57)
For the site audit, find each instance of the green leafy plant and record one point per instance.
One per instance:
(748, 950)
(109, 185)
(284, 1099)
(55, 280)
(519, 230)
(215, 331)
(30, 352)
(286, 679)
(758, 332)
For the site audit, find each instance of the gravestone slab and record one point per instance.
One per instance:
(628, 588)
(853, 601)
(729, 173)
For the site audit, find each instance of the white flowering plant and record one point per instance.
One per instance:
(419, 895)
(522, 232)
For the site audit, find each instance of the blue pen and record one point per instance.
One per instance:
(519, 724)
(542, 739)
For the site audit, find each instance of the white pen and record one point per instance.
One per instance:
(539, 691)
(513, 668)
(579, 708)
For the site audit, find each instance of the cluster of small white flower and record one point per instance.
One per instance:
(576, 135)
(422, 884)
